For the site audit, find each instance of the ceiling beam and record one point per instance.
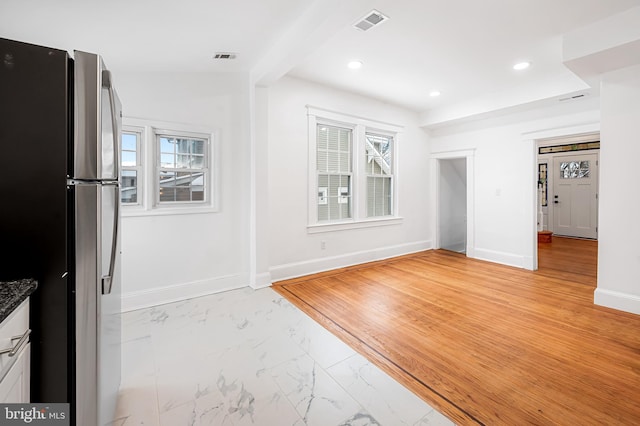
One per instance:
(318, 23)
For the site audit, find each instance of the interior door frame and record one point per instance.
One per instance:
(532, 139)
(435, 190)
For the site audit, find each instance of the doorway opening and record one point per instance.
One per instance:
(567, 208)
(452, 186)
(568, 186)
(452, 204)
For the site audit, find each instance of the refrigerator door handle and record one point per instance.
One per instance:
(106, 82)
(107, 281)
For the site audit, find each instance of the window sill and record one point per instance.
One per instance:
(353, 224)
(165, 211)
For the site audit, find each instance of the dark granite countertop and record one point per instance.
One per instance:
(13, 293)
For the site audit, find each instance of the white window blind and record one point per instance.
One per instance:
(352, 174)
(334, 167)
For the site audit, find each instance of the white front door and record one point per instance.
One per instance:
(575, 195)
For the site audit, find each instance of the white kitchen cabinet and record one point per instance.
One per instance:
(15, 369)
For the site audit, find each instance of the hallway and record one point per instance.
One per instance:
(564, 257)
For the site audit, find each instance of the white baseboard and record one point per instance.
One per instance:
(503, 258)
(298, 269)
(262, 280)
(616, 300)
(459, 247)
(173, 293)
(528, 263)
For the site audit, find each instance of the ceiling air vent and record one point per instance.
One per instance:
(372, 19)
(574, 97)
(224, 55)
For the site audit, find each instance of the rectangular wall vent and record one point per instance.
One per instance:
(224, 55)
(574, 97)
(372, 19)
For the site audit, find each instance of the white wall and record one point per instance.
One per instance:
(171, 257)
(292, 250)
(506, 174)
(619, 227)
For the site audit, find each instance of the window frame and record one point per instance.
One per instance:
(390, 176)
(158, 134)
(138, 168)
(360, 126)
(149, 159)
(330, 173)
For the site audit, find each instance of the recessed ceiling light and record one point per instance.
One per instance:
(354, 65)
(521, 66)
(434, 93)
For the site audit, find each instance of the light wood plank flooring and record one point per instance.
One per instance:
(485, 343)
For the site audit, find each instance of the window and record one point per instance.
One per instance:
(378, 156)
(167, 168)
(352, 174)
(182, 168)
(131, 169)
(334, 172)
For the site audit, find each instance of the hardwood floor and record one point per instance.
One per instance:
(569, 257)
(485, 343)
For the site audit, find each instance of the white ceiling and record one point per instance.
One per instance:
(463, 48)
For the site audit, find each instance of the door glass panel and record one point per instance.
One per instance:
(574, 170)
(584, 170)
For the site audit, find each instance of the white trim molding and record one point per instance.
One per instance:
(307, 267)
(262, 280)
(617, 300)
(342, 117)
(435, 157)
(535, 139)
(503, 258)
(354, 224)
(177, 292)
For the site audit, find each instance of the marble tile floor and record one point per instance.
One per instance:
(248, 357)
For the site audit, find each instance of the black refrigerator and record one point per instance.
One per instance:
(60, 130)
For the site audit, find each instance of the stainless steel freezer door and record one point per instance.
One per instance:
(97, 321)
(97, 120)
